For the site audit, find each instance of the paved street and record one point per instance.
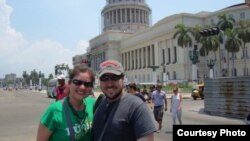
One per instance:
(21, 110)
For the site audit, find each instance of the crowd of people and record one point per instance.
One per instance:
(118, 114)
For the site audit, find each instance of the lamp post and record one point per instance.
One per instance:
(210, 64)
(194, 57)
(154, 73)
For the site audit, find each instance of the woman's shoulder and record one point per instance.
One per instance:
(55, 106)
(58, 104)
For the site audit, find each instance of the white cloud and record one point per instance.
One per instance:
(82, 47)
(18, 55)
(5, 12)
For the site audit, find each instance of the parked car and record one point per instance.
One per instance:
(198, 92)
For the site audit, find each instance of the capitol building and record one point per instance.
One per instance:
(150, 53)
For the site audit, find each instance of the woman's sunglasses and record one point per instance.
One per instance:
(105, 78)
(80, 82)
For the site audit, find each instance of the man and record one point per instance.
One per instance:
(61, 89)
(159, 99)
(120, 116)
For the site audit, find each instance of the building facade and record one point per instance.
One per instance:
(149, 53)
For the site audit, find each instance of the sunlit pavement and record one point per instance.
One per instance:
(27, 105)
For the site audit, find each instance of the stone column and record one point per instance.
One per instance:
(152, 54)
(126, 16)
(156, 54)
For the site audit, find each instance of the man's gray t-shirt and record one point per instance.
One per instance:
(131, 120)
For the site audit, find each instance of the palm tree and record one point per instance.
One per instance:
(59, 68)
(184, 40)
(210, 43)
(232, 44)
(225, 22)
(244, 35)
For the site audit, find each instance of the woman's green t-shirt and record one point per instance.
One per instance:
(55, 120)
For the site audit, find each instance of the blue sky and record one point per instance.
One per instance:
(38, 34)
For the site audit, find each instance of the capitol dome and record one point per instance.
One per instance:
(126, 15)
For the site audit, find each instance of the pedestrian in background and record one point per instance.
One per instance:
(175, 108)
(151, 90)
(120, 116)
(71, 118)
(145, 94)
(159, 101)
(134, 90)
(62, 89)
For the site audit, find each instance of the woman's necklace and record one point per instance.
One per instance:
(79, 116)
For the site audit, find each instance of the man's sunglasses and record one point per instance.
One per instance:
(105, 78)
(80, 82)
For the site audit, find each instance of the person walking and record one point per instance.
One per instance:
(70, 118)
(120, 116)
(159, 99)
(175, 108)
(151, 90)
(145, 94)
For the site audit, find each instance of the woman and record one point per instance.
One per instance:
(176, 110)
(70, 118)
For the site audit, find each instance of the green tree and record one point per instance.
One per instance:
(183, 33)
(34, 76)
(225, 22)
(210, 43)
(59, 68)
(26, 78)
(244, 35)
(184, 39)
(232, 44)
(51, 76)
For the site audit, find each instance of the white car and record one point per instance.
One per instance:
(52, 84)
